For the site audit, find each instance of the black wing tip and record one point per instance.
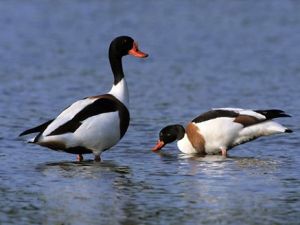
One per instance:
(37, 129)
(273, 113)
(282, 113)
(287, 130)
(30, 131)
(24, 133)
(285, 115)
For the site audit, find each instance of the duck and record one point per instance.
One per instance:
(93, 124)
(220, 129)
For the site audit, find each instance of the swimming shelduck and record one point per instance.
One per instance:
(219, 130)
(93, 124)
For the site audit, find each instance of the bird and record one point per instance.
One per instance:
(220, 129)
(96, 123)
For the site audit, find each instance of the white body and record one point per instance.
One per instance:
(223, 133)
(96, 133)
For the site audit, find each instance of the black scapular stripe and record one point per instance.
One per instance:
(214, 114)
(105, 104)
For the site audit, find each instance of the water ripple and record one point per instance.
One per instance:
(202, 54)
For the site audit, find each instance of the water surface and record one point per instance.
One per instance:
(203, 54)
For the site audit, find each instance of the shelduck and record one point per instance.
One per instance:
(93, 124)
(218, 130)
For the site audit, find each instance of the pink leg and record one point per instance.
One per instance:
(79, 157)
(224, 152)
(97, 158)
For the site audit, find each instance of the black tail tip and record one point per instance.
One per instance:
(288, 131)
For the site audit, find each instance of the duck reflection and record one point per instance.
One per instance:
(89, 189)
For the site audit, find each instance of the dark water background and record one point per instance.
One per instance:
(203, 54)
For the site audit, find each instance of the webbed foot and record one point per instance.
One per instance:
(224, 152)
(97, 158)
(79, 158)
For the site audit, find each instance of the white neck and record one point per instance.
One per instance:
(120, 91)
(185, 145)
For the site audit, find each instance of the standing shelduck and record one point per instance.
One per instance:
(93, 124)
(219, 130)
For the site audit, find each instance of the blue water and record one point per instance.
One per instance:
(203, 54)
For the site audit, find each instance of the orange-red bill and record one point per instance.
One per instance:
(136, 52)
(158, 146)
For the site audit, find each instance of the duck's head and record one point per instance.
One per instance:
(124, 45)
(169, 134)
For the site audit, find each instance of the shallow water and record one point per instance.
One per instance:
(203, 54)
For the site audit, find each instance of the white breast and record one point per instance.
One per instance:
(185, 146)
(120, 91)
